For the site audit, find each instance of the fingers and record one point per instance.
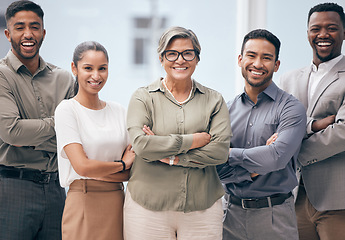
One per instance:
(253, 175)
(272, 139)
(129, 147)
(147, 130)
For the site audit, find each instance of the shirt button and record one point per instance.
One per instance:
(248, 142)
(181, 121)
(255, 107)
(251, 124)
(184, 171)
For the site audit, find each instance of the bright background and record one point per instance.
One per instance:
(123, 28)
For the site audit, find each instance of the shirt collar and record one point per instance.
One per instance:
(326, 65)
(271, 91)
(17, 64)
(158, 86)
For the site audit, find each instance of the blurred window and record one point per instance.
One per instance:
(143, 31)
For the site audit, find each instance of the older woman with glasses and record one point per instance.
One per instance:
(180, 131)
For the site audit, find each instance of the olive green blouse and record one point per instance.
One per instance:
(193, 183)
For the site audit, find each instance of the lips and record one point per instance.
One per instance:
(256, 72)
(28, 45)
(94, 84)
(180, 68)
(323, 44)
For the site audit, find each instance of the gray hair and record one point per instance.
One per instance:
(178, 32)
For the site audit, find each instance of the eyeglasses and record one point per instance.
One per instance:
(172, 55)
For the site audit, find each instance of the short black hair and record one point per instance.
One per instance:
(328, 7)
(23, 5)
(262, 34)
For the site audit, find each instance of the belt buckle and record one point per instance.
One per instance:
(45, 178)
(243, 202)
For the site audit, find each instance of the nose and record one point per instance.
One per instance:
(95, 75)
(323, 32)
(257, 63)
(27, 33)
(180, 59)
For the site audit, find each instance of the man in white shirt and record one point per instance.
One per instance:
(320, 205)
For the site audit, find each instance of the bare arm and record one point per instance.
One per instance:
(321, 124)
(94, 168)
(115, 177)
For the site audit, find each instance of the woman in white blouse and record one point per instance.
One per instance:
(93, 151)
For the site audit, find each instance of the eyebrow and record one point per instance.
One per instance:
(23, 23)
(87, 64)
(255, 53)
(320, 24)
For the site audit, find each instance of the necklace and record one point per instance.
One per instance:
(189, 96)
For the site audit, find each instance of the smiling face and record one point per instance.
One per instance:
(91, 72)
(325, 35)
(258, 62)
(25, 33)
(179, 70)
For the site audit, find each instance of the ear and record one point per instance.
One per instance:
(44, 33)
(8, 35)
(74, 69)
(239, 62)
(276, 65)
(160, 59)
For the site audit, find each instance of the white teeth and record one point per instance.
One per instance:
(323, 44)
(257, 73)
(180, 68)
(94, 83)
(27, 44)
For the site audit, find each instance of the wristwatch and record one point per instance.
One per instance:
(171, 160)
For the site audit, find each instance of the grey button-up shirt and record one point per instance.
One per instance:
(252, 124)
(192, 184)
(27, 105)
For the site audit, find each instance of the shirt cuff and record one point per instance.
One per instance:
(187, 141)
(309, 124)
(236, 156)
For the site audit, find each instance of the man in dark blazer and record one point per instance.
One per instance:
(320, 87)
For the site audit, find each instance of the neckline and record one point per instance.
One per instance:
(106, 104)
(183, 102)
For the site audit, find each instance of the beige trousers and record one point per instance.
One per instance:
(143, 224)
(93, 210)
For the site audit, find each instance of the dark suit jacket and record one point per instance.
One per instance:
(322, 154)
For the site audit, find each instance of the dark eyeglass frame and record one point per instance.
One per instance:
(180, 53)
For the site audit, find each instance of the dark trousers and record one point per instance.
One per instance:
(30, 210)
(316, 225)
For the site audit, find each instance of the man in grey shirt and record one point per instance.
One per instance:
(268, 127)
(31, 199)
